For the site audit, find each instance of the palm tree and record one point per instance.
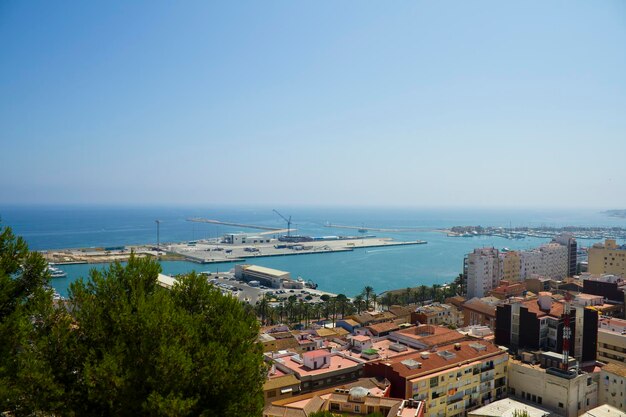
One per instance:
(422, 292)
(342, 302)
(435, 292)
(374, 300)
(262, 308)
(387, 300)
(407, 296)
(358, 303)
(367, 292)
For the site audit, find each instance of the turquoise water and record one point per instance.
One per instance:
(438, 262)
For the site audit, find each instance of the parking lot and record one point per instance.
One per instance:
(244, 292)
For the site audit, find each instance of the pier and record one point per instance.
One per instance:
(246, 226)
(375, 229)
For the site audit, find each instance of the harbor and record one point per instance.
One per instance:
(238, 247)
(233, 247)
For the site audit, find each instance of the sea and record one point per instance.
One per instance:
(437, 262)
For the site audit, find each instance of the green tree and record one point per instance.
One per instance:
(367, 293)
(28, 382)
(123, 345)
(149, 351)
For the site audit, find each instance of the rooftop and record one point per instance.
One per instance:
(383, 327)
(318, 353)
(418, 364)
(281, 382)
(604, 411)
(556, 308)
(264, 270)
(337, 362)
(616, 369)
(507, 407)
(480, 306)
(430, 335)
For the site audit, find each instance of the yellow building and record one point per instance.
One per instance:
(612, 341)
(607, 258)
(511, 266)
(451, 380)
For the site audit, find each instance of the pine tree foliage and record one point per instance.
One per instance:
(122, 345)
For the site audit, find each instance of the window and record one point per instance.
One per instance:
(560, 405)
(334, 406)
(539, 400)
(357, 408)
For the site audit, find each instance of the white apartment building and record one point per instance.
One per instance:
(485, 266)
(550, 260)
(484, 271)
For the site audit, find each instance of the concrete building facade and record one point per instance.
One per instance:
(607, 258)
(566, 393)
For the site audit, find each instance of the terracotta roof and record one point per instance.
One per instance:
(279, 411)
(456, 300)
(323, 332)
(401, 310)
(616, 369)
(435, 362)
(316, 353)
(280, 382)
(383, 327)
(431, 335)
(361, 338)
(480, 307)
(556, 309)
(341, 331)
(351, 322)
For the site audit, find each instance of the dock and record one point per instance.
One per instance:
(243, 225)
(212, 252)
(375, 229)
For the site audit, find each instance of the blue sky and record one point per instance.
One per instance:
(415, 103)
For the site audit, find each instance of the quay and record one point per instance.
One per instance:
(231, 248)
(209, 252)
(247, 226)
(364, 229)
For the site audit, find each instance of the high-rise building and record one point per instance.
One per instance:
(568, 240)
(538, 324)
(511, 265)
(607, 258)
(550, 260)
(483, 271)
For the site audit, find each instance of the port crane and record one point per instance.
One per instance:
(288, 220)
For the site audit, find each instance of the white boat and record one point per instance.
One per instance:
(56, 272)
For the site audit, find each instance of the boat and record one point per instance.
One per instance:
(56, 272)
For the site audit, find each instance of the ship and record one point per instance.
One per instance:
(56, 272)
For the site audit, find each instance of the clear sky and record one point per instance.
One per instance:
(421, 103)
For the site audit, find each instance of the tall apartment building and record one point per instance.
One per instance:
(486, 267)
(550, 260)
(511, 265)
(568, 240)
(538, 324)
(483, 271)
(607, 258)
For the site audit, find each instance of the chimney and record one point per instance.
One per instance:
(457, 346)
